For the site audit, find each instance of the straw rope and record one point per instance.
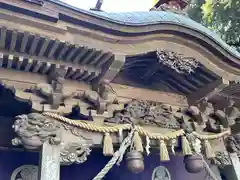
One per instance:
(114, 129)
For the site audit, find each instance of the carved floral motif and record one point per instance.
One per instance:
(74, 153)
(177, 61)
(143, 112)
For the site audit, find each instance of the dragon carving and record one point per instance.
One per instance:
(34, 129)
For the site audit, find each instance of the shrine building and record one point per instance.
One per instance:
(92, 95)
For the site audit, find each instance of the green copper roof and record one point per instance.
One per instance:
(161, 17)
(154, 17)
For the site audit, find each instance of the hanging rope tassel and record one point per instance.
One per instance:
(208, 149)
(186, 148)
(137, 141)
(164, 156)
(108, 145)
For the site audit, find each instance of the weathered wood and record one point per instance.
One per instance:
(50, 61)
(3, 37)
(34, 44)
(113, 68)
(43, 47)
(24, 42)
(50, 162)
(26, 80)
(13, 40)
(207, 91)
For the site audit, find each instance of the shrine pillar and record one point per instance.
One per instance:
(49, 166)
(232, 172)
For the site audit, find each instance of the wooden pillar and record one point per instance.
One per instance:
(236, 165)
(232, 172)
(215, 171)
(49, 167)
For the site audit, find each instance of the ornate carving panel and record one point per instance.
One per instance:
(142, 112)
(178, 62)
(33, 130)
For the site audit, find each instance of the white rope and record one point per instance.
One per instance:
(208, 169)
(117, 157)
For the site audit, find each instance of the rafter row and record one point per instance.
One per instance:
(36, 45)
(28, 64)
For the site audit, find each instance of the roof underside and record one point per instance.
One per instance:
(143, 70)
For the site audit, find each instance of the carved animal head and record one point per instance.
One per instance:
(34, 129)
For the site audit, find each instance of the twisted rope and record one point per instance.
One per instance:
(111, 129)
(117, 157)
(213, 136)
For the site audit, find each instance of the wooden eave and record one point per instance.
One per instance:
(77, 30)
(28, 52)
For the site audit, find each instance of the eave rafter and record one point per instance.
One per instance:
(29, 52)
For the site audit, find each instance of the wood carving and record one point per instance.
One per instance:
(214, 120)
(74, 153)
(142, 112)
(221, 160)
(233, 144)
(34, 129)
(176, 61)
(101, 96)
(53, 92)
(172, 6)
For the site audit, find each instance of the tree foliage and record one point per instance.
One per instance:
(222, 16)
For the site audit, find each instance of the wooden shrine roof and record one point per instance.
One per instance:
(121, 47)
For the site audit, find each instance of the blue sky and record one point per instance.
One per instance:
(114, 5)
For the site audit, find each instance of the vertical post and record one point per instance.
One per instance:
(215, 171)
(49, 162)
(232, 172)
(236, 164)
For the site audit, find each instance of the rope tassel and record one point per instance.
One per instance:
(108, 145)
(186, 148)
(208, 149)
(164, 155)
(137, 141)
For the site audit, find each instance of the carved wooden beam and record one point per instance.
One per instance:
(25, 80)
(207, 91)
(111, 68)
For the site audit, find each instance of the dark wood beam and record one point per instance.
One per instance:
(207, 91)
